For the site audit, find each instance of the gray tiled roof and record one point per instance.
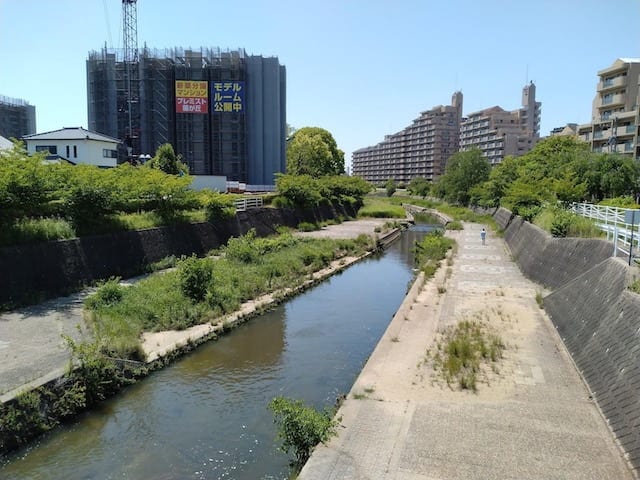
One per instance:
(77, 133)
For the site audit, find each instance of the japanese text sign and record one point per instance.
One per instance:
(228, 97)
(192, 97)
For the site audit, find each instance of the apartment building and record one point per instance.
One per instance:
(17, 117)
(499, 133)
(615, 110)
(420, 150)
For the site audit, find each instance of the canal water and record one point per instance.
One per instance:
(206, 416)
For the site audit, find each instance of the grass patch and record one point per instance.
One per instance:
(427, 218)
(462, 350)
(563, 223)
(308, 226)
(539, 300)
(380, 207)
(635, 286)
(27, 230)
(455, 225)
(199, 290)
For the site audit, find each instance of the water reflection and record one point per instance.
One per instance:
(205, 416)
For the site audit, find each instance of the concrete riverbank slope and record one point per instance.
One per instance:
(596, 315)
(532, 416)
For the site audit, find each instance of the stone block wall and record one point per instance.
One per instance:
(33, 272)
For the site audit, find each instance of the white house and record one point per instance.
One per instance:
(75, 145)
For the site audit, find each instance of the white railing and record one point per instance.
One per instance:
(247, 203)
(612, 221)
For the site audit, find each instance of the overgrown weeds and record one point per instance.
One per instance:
(200, 289)
(462, 350)
(431, 250)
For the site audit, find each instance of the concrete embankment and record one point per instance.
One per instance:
(532, 416)
(35, 272)
(596, 315)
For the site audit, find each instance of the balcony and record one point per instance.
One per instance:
(612, 83)
(626, 131)
(610, 100)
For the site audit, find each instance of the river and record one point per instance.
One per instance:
(205, 416)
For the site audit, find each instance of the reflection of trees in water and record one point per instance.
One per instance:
(257, 343)
(406, 243)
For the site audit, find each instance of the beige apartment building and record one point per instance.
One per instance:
(420, 150)
(499, 133)
(615, 110)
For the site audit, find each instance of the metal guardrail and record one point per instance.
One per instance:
(612, 221)
(246, 203)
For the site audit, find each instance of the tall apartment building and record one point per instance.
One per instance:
(223, 111)
(420, 150)
(499, 133)
(17, 118)
(615, 113)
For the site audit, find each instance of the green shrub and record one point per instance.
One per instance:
(108, 294)
(300, 427)
(308, 226)
(455, 225)
(529, 212)
(217, 205)
(195, 276)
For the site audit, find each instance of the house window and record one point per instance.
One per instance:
(108, 153)
(75, 151)
(67, 151)
(52, 149)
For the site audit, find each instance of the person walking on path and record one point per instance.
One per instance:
(483, 235)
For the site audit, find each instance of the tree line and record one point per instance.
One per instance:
(557, 170)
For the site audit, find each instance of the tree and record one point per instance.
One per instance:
(166, 160)
(313, 151)
(419, 186)
(464, 171)
(390, 186)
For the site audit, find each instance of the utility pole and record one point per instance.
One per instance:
(130, 34)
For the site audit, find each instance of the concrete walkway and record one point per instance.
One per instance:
(533, 418)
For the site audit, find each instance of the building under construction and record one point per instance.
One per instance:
(17, 117)
(223, 111)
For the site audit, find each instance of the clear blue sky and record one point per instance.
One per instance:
(359, 68)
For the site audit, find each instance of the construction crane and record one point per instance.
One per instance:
(130, 36)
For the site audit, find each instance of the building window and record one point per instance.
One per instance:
(75, 151)
(108, 153)
(67, 151)
(52, 149)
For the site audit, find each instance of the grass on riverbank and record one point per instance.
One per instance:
(380, 207)
(431, 250)
(199, 290)
(28, 230)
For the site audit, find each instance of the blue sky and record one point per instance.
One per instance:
(361, 69)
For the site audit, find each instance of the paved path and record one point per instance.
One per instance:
(533, 419)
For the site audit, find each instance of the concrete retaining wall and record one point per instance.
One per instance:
(599, 322)
(34, 272)
(596, 315)
(550, 261)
